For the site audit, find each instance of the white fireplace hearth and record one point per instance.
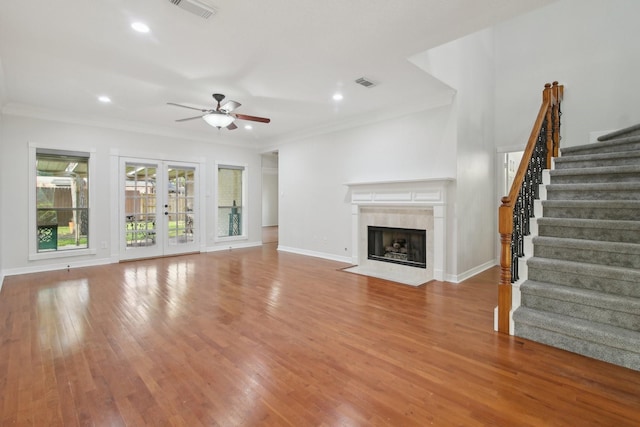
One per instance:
(415, 204)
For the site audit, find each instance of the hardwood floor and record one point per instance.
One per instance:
(256, 337)
(270, 234)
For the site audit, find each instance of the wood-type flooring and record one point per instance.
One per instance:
(254, 337)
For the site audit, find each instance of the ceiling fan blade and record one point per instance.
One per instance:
(232, 126)
(189, 118)
(229, 106)
(252, 118)
(186, 106)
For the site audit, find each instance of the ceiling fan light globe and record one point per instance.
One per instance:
(218, 120)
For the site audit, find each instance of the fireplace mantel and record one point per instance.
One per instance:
(420, 195)
(425, 192)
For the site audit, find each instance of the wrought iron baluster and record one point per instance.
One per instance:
(523, 209)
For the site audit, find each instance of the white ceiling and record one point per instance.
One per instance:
(281, 59)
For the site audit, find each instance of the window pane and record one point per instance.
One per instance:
(230, 201)
(62, 201)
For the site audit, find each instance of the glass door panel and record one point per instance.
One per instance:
(179, 209)
(159, 208)
(139, 187)
(140, 205)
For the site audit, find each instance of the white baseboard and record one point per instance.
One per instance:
(56, 266)
(231, 246)
(473, 271)
(451, 278)
(332, 257)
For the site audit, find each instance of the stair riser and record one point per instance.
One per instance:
(587, 311)
(603, 352)
(593, 256)
(595, 178)
(591, 194)
(629, 132)
(630, 288)
(585, 233)
(591, 213)
(602, 148)
(568, 163)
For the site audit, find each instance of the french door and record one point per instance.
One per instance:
(159, 209)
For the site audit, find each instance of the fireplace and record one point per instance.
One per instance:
(409, 206)
(397, 245)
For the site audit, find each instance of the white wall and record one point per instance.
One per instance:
(467, 65)
(3, 183)
(269, 189)
(589, 46)
(18, 132)
(315, 209)
(269, 198)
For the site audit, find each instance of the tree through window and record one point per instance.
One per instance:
(62, 200)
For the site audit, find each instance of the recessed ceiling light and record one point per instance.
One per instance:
(140, 27)
(337, 97)
(104, 99)
(248, 127)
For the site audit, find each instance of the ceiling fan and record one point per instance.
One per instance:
(221, 116)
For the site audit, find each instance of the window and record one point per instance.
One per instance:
(230, 200)
(62, 200)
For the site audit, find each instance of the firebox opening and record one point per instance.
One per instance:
(398, 245)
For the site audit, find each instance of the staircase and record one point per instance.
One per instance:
(583, 288)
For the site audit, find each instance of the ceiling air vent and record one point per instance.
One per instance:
(196, 7)
(362, 81)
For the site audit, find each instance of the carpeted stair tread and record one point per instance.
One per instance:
(590, 229)
(607, 308)
(591, 223)
(628, 131)
(595, 209)
(594, 191)
(597, 277)
(608, 253)
(629, 143)
(631, 248)
(604, 159)
(624, 173)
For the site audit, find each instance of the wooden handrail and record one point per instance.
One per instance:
(545, 134)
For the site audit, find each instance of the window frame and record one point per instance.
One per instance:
(243, 224)
(32, 216)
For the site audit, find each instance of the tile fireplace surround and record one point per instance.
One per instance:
(415, 204)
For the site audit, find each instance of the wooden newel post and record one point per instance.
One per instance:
(505, 227)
